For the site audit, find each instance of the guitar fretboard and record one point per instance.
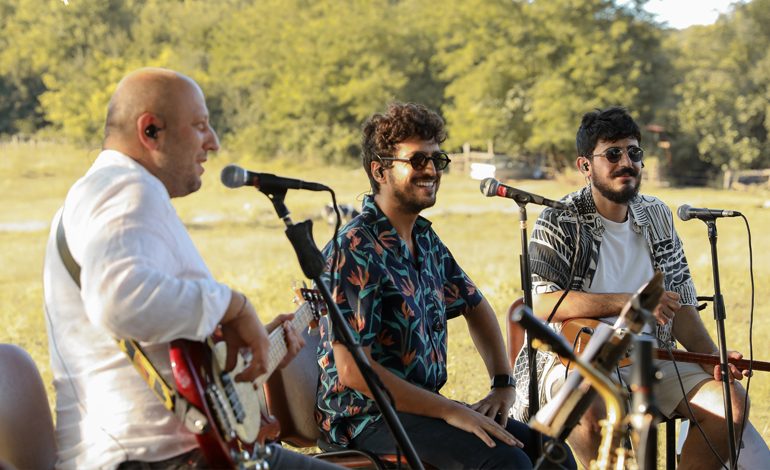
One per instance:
(302, 318)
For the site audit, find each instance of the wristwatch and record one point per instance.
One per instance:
(502, 380)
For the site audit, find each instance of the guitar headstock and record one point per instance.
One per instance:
(314, 300)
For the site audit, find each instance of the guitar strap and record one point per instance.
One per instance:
(193, 419)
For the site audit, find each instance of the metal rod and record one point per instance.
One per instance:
(720, 316)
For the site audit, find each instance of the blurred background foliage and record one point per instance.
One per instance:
(294, 79)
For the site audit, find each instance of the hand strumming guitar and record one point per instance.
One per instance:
(667, 307)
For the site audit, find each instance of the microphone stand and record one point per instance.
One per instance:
(645, 415)
(720, 316)
(526, 286)
(312, 263)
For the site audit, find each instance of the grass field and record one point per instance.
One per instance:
(243, 242)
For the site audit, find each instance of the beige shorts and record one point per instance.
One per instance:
(667, 392)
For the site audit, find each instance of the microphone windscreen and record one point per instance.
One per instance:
(489, 187)
(233, 176)
(684, 212)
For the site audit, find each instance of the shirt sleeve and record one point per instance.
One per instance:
(460, 293)
(141, 275)
(549, 254)
(357, 285)
(678, 278)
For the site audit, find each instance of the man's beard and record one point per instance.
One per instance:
(410, 202)
(624, 195)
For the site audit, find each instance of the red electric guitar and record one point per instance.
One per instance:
(230, 426)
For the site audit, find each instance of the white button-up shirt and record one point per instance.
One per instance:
(142, 278)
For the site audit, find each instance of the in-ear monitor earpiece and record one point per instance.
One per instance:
(151, 131)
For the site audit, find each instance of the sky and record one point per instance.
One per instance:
(683, 13)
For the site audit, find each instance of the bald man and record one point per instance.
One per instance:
(141, 278)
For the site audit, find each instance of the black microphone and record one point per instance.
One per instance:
(491, 187)
(234, 176)
(685, 212)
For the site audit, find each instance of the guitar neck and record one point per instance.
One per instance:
(578, 331)
(711, 359)
(302, 318)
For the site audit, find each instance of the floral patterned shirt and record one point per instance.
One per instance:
(394, 303)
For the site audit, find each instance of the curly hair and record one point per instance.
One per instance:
(402, 121)
(609, 124)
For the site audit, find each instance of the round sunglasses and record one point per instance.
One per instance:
(419, 160)
(614, 154)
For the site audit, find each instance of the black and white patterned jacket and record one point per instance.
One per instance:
(551, 249)
(553, 241)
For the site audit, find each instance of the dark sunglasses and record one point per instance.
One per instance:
(614, 154)
(419, 160)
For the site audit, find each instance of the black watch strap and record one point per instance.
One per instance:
(502, 380)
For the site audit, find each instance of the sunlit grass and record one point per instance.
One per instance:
(242, 240)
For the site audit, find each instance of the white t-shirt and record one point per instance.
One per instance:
(142, 278)
(624, 264)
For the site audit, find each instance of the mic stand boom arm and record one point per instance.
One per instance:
(312, 263)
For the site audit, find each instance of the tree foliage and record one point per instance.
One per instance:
(295, 78)
(722, 97)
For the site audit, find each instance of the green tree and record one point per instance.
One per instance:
(301, 84)
(484, 56)
(524, 73)
(20, 67)
(722, 100)
(593, 54)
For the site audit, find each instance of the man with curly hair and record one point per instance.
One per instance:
(397, 285)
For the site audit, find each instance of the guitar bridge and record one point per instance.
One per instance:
(216, 400)
(232, 397)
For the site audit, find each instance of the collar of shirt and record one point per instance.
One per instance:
(109, 157)
(380, 224)
(583, 202)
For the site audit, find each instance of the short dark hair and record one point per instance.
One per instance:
(609, 124)
(402, 121)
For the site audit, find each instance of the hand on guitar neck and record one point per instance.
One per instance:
(294, 341)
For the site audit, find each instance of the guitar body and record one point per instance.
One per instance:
(234, 419)
(578, 332)
(192, 376)
(237, 424)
